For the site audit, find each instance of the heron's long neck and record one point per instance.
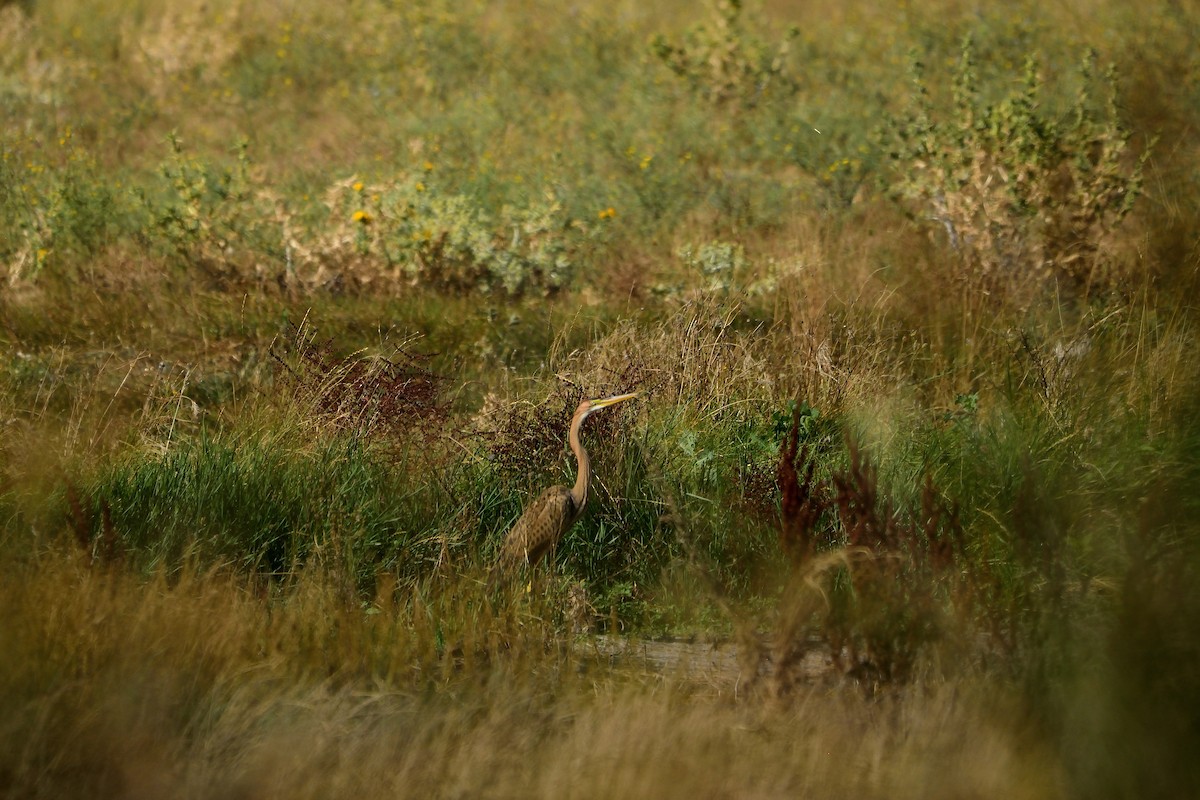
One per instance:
(580, 491)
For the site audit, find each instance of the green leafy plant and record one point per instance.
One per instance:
(1021, 195)
(445, 240)
(724, 62)
(224, 220)
(718, 262)
(71, 210)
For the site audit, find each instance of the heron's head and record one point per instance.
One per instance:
(588, 406)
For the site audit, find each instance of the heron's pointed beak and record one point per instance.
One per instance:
(608, 401)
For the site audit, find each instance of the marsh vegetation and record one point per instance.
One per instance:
(299, 298)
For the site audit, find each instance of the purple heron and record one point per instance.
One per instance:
(547, 520)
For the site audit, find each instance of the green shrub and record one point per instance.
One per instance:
(222, 220)
(413, 231)
(723, 62)
(66, 214)
(1021, 194)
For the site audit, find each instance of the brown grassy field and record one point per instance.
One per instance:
(296, 302)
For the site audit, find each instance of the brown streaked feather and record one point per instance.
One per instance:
(538, 530)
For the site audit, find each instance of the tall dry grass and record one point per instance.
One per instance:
(201, 687)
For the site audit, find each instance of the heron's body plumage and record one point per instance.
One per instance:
(538, 531)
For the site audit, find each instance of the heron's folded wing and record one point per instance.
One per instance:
(538, 529)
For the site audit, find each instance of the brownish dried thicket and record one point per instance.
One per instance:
(394, 396)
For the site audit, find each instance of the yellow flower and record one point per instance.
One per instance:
(420, 187)
(428, 165)
(362, 216)
(358, 186)
(608, 213)
(646, 162)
